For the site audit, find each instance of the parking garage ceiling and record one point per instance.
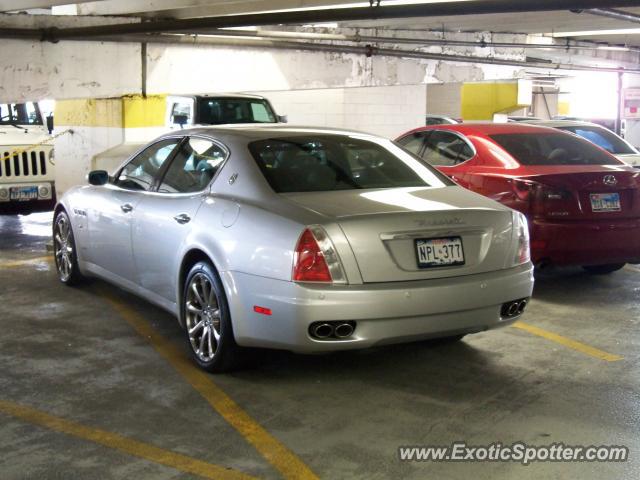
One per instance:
(586, 20)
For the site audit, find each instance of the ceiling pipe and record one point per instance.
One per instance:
(367, 50)
(357, 38)
(450, 8)
(615, 14)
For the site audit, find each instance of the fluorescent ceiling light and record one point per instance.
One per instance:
(385, 3)
(594, 33)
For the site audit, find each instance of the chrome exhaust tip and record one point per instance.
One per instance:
(322, 330)
(343, 330)
(512, 309)
(522, 305)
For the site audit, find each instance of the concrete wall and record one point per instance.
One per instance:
(38, 70)
(444, 99)
(386, 111)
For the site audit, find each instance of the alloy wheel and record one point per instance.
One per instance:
(202, 317)
(63, 248)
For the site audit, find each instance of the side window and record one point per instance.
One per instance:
(141, 172)
(414, 142)
(193, 168)
(260, 113)
(446, 149)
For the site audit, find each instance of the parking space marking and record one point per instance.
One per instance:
(569, 343)
(28, 261)
(633, 268)
(154, 454)
(276, 453)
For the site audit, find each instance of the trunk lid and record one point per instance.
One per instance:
(382, 227)
(584, 192)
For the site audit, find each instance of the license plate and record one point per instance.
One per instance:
(439, 252)
(605, 202)
(23, 193)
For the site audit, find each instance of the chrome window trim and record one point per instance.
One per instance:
(461, 137)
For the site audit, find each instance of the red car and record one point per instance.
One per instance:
(583, 204)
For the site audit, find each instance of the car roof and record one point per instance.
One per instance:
(253, 131)
(564, 123)
(489, 128)
(219, 95)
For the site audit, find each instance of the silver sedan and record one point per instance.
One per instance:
(309, 240)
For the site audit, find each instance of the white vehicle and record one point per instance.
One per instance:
(219, 109)
(431, 119)
(601, 136)
(26, 159)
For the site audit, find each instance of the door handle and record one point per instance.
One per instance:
(126, 208)
(182, 218)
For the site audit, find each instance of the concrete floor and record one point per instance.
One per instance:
(69, 353)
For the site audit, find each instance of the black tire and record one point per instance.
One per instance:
(215, 319)
(603, 269)
(64, 250)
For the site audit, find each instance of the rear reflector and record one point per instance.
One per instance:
(262, 310)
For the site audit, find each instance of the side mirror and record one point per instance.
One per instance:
(282, 118)
(50, 124)
(98, 177)
(180, 120)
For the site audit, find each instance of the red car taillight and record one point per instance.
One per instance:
(523, 189)
(536, 193)
(315, 258)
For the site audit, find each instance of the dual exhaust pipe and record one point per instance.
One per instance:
(514, 308)
(331, 330)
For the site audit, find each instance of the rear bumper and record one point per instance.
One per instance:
(585, 243)
(383, 312)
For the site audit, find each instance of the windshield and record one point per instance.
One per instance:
(603, 138)
(552, 149)
(20, 114)
(215, 111)
(323, 163)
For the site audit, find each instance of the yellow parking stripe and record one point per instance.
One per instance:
(277, 454)
(28, 261)
(118, 442)
(567, 342)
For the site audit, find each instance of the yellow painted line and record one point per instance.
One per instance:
(28, 261)
(569, 343)
(123, 444)
(277, 454)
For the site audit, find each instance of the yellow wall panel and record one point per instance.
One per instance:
(481, 100)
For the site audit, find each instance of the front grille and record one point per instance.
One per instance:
(25, 164)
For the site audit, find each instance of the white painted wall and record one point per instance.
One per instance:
(386, 111)
(73, 153)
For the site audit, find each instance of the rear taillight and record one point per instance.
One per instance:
(523, 189)
(521, 231)
(315, 258)
(538, 196)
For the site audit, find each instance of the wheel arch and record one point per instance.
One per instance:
(189, 259)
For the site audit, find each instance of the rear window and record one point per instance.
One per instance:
(552, 149)
(332, 162)
(215, 111)
(603, 138)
